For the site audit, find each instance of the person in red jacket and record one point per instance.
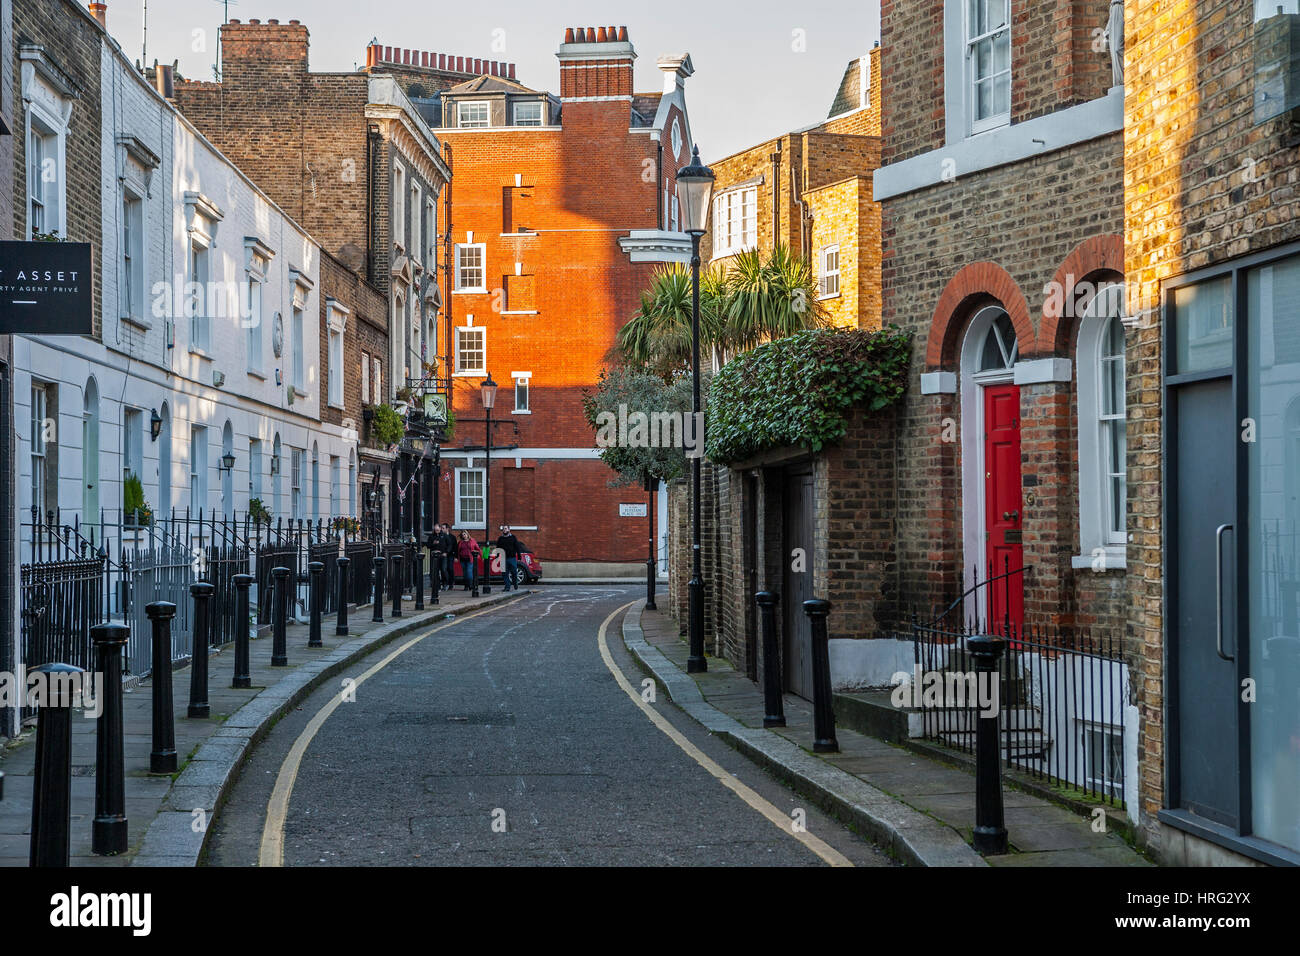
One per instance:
(467, 551)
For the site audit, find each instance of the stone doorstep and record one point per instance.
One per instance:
(169, 838)
(1055, 831)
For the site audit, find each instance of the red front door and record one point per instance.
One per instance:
(1003, 507)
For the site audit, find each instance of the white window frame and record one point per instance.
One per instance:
(257, 262)
(399, 206)
(735, 221)
(365, 378)
(463, 107)
(541, 117)
(417, 222)
(523, 381)
(336, 471)
(461, 284)
(336, 323)
(297, 464)
(51, 195)
(431, 237)
(480, 370)
(962, 70)
(255, 468)
(825, 274)
(198, 468)
(298, 334)
(40, 405)
(198, 270)
(376, 381)
(1102, 547)
(1112, 738)
(130, 294)
(132, 446)
(461, 520)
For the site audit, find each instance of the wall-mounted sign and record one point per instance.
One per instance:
(435, 407)
(45, 288)
(631, 511)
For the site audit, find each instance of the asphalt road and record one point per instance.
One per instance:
(505, 740)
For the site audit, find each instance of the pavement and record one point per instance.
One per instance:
(922, 811)
(168, 815)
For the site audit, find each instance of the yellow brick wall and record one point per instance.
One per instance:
(843, 214)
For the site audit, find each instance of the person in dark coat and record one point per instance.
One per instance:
(511, 547)
(446, 546)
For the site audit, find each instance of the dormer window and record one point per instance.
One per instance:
(528, 113)
(472, 115)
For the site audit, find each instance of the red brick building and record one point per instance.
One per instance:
(562, 205)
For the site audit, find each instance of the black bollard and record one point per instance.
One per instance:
(378, 574)
(52, 786)
(199, 708)
(774, 709)
(990, 836)
(162, 758)
(315, 579)
(242, 677)
(823, 712)
(280, 618)
(341, 628)
(417, 562)
(108, 832)
(397, 585)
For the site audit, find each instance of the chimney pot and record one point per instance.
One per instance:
(100, 12)
(600, 35)
(442, 61)
(388, 54)
(622, 34)
(424, 58)
(611, 33)
(494, 66)
(234, 20)
(460, 64)
(254, 21)
(591, 34)
(295, 23)
(512, 71)
(568, 35)
(273, 22)
(163, 80)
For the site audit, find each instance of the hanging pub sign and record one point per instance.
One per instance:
(435, 407)
(45, 288)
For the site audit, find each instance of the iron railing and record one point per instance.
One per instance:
(1061, 694)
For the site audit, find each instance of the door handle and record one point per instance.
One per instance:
(1011, 515)
(1218, 589)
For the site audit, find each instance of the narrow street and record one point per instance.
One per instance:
(504, 739)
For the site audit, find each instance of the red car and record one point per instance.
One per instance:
(528, 571)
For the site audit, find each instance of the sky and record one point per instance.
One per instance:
(762, 67)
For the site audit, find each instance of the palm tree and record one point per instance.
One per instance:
(769, 298)
(658, 337)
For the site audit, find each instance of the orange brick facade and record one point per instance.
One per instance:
(549, 205)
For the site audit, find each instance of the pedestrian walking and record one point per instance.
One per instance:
(511, 548)
(467, 551)
(447, 555)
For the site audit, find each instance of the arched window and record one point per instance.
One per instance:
(227, 476)
(165, 461)
(1103, 461)
(277, 466)
(90, 453)
(1000, 348)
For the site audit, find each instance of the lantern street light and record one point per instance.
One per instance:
(694, 191)
(488, 395)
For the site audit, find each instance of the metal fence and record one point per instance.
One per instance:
(1061, 695)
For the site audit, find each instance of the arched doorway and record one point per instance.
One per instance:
(90, 453)
(992, 504)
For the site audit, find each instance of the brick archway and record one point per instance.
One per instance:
(973, 285)
(1100, 258)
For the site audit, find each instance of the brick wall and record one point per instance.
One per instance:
(1053, 59)
(1204, 185)
(71, 39)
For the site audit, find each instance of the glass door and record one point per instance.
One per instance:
(1271, 435)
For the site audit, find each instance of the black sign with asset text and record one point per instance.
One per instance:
(45, 288)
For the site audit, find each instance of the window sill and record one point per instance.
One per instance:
(519, 312)
(522, 411)
(470, 374)
(255, 373)
(829, 295)
(300, 392)
(518, 235)
(201, 353)
(469, 291)
(335, 405)
(137, 322)
(1114, 559)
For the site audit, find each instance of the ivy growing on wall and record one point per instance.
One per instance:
(799, 390)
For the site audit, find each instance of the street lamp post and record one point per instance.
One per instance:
(488, 395)
(694, 189)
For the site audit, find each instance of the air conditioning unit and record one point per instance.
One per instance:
(218, 378)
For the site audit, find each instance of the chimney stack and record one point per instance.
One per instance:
(100, 12)
(595, 63)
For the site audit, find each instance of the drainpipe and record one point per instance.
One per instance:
(776, 191)
(660, 199)
(372, 135)
(803, 215)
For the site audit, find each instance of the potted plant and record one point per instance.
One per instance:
(347, 525)
(386, 427)
(136, 510)
(258, 512)
(403, 400)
